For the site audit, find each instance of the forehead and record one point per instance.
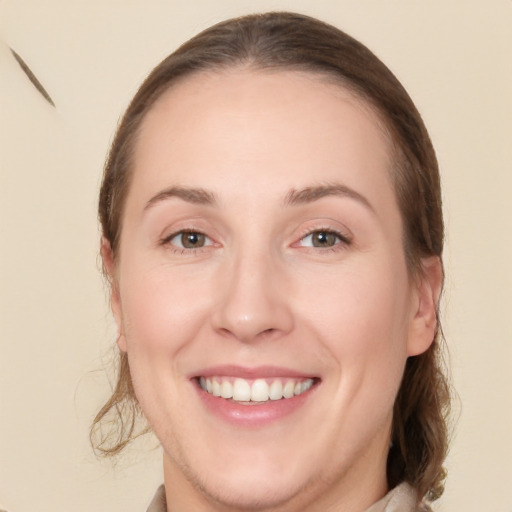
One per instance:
(239, 127)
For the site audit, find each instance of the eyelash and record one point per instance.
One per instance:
(342, 241)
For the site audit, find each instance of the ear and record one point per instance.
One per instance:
(109, 266)
(423, 325)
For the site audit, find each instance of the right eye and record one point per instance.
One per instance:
(188, 240)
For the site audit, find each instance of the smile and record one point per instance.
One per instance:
(254, 390)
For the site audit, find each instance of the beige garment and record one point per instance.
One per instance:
(399, 499)
(158, 503)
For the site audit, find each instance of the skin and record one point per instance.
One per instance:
(258, 292)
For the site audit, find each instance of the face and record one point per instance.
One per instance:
(262, 294)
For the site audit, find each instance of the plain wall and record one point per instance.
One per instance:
(56, 335)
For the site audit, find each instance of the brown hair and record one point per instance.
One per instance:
(296, 42)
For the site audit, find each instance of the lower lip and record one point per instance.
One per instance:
(256, 415)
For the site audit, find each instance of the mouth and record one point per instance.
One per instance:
(253, 391)
(254, 397)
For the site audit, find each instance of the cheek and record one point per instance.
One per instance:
(161, 315)
(362, 317)
(159, 310)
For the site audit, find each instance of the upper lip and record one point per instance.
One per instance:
(244, 372)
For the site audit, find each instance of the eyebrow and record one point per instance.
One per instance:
(310, 194)
(190, 195)
(294, 197)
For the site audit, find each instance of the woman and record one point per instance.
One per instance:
(272, 235)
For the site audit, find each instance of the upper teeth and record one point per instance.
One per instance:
(259, 390)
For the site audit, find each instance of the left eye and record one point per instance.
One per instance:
(321, 239)
(190, 240)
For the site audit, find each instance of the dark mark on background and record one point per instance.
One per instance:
(37, 84)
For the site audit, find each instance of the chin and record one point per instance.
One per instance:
(250, 491)
(264, 484)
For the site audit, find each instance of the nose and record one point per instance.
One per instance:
(254, 302)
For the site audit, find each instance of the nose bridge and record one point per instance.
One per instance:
(253, 301)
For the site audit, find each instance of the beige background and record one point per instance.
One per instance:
(454, 57)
